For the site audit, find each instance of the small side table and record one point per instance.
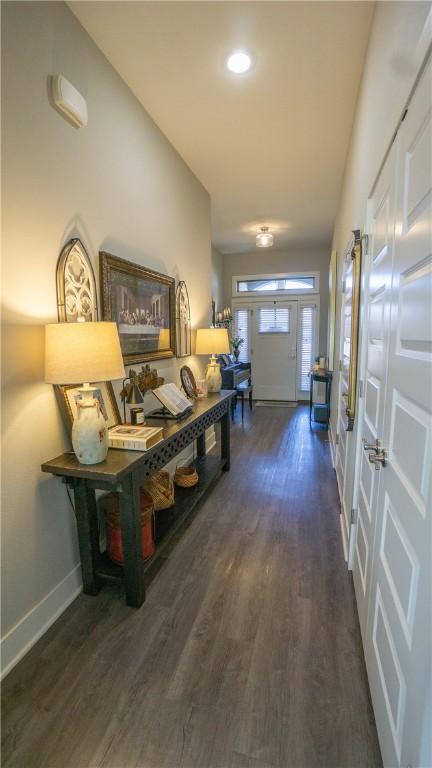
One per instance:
(325, 377)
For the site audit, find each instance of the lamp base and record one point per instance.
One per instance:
(213, 376)
(89, 431)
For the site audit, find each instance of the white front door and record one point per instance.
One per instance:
(274, 350)
(398, 629)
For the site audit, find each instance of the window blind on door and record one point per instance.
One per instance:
(242, 330)
(274, 320)
(306, 344)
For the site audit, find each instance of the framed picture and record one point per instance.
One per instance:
(68, 394)
(142, 303)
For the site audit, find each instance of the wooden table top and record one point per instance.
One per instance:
(119, 462)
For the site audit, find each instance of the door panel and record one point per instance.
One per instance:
(399, 627)
(378, 281)
(343, 437)
(274, 352)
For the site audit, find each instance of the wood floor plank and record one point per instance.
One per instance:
(247, 652)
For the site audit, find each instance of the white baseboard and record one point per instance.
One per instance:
(344, 537)
(332, 448)
(18, 641)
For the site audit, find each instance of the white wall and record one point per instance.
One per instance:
(217, 279)
(395, 51)
(121, 187)
(277, 261)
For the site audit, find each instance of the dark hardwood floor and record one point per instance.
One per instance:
(247, 652)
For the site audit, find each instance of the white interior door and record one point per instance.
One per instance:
(342, 435)
(274, 350)
(378, 270)
(392, 562)
(398, 647)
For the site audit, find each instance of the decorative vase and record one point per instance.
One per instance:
(236, 353)
(213, 376)
(89, 432)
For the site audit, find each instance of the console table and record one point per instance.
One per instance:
(124, 472)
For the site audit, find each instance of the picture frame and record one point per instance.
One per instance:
(142, 303)
(67, 395)
(188, 382)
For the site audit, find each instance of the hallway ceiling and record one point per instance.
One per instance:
(269, 146)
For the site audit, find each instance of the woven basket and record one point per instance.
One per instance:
(186, 477)
(161, 489)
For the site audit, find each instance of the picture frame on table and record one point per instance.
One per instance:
(68, 394)
(142, 303)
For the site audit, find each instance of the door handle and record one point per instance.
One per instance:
(376, 446)
(378, 455)
(379, 459)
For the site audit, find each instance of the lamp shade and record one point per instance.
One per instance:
(82, 352)
(212, 341)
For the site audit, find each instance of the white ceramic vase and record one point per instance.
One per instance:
(89, 431)
(213, 376)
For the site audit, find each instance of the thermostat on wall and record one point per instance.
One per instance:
(69, 100)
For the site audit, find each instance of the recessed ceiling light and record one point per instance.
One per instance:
(239, 62)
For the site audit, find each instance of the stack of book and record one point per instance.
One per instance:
(134, 438)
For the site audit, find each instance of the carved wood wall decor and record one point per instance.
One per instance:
(183, 321)
(76, 286)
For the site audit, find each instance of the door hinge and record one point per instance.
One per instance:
(361, 388)
(337, 440)
(340, 365)
(353, 516)
(365, 239)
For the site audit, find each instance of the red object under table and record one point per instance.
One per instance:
(110, 505)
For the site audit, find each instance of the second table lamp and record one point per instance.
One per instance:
(212, 341)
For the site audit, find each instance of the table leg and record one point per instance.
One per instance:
(225, 440)
(310, 399)
(201, 446)
(242, 406)
(130, 522)
(250, 399)
(88, 535)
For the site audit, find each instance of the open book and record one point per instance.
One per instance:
(173, 400)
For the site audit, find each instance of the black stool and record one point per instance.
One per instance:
(241, 390)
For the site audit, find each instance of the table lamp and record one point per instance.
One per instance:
(88, 352)
(212, 341)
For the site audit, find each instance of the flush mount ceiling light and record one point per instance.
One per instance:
(239, 62)
(264, 239)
